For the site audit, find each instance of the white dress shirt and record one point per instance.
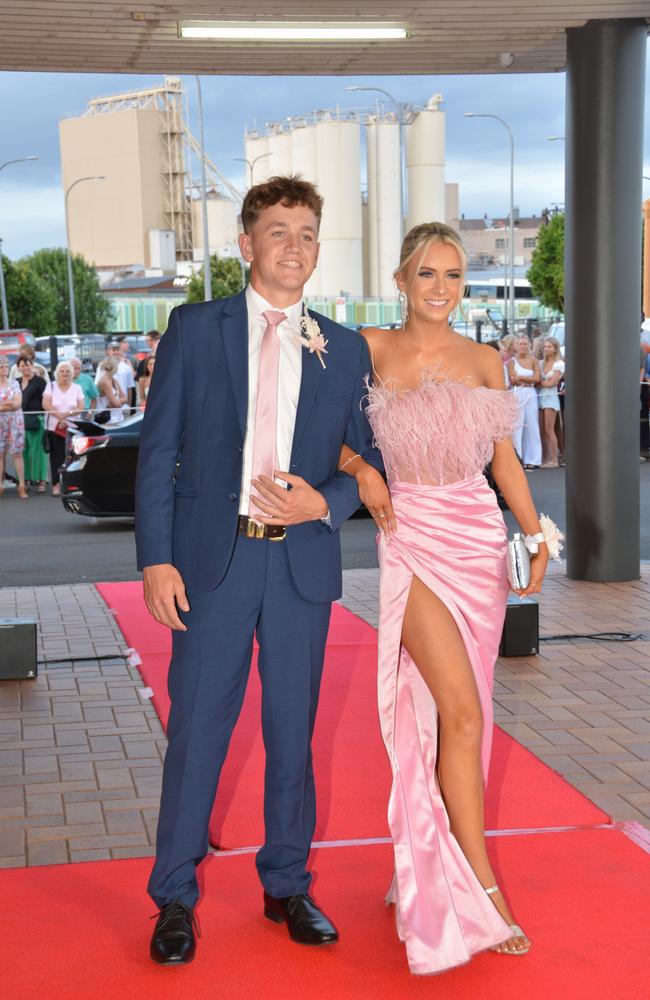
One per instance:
(288, 385)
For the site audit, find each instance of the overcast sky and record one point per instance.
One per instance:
(31, 105)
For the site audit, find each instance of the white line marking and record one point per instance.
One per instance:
(524, 832)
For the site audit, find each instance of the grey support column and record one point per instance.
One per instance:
(604, 159)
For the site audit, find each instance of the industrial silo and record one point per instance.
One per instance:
(425, 160)
(256, 148)
(303, 151)
(339, 182)
(279, 162)
(223, 226)
(384, 201)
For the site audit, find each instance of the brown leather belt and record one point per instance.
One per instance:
(273, 532)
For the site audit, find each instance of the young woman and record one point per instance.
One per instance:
(62, 399)
(145, 380)
(12, 428)
(112, 396)
(548, 399)
(439, 411)
(524, 375)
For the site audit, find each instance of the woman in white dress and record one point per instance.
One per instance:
(524, 375)
(548, 400)
(112, 396)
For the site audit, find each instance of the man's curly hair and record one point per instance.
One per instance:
(288, 191)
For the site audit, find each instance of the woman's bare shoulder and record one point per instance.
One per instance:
(488, 365)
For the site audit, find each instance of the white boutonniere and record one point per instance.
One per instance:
(311, 336)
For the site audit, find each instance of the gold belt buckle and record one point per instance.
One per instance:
(278, 538)
(250, 528)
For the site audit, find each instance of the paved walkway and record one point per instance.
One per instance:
(81, 749)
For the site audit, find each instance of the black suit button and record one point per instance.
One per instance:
(239, 449)
(233, 496)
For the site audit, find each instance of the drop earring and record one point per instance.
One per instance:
(402, 298)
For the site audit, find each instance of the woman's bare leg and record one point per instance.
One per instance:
(551, 440)
(19, 464)
(431, 638)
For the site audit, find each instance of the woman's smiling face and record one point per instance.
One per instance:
(433, 282)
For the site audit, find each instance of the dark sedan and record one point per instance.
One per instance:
(98, 477)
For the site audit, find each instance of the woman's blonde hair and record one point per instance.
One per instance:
(556, 346)
(59, 368)
(108, 364)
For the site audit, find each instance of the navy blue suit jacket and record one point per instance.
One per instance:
(192, 438)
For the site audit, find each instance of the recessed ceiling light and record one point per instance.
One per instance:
(278, 31)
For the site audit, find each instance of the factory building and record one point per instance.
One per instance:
(145, 210)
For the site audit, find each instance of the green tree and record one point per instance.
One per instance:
(226, 279)
(546, 271)
(93, 310)
(30, 301)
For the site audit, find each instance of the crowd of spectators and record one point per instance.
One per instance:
(35, 410)
(534, 371)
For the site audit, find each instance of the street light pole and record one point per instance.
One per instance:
(400, 108)
(207, 269)
(73, 314)
(250, 164)
(3, 292)
(470, 114)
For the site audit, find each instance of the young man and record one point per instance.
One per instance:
(239, 502)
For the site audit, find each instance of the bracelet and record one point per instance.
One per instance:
(347, 462)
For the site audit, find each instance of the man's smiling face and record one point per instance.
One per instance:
(282, 249)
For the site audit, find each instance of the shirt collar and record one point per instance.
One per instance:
(256, 305)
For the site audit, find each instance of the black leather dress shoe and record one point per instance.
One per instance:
(307, 924)
(173, 941)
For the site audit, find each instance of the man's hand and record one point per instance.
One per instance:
(163, 590)
(280, 506)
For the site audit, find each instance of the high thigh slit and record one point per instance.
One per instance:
(436, 439)
(453, 540)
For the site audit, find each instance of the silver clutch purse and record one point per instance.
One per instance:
(518, 563)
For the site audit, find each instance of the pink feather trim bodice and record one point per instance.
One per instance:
(442, 431)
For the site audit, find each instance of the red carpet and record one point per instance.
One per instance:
(352, 772)
(81, 932)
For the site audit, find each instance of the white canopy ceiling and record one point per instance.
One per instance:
(446, 36)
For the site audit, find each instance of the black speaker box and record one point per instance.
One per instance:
(520, 636)
(17, 649)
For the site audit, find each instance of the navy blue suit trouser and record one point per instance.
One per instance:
(207, 681)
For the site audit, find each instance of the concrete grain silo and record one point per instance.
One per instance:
(425, 161)
(338, 152)
(255, 148)
(279, 162)
(303, 151)
(384, 230)
(223, 228)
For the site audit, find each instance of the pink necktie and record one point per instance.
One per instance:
(266, 411)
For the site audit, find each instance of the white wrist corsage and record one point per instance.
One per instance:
(550, 534)
(311, 337)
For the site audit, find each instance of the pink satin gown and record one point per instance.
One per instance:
(435, 440)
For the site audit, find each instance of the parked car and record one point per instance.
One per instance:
(98, 476)
(12, 340)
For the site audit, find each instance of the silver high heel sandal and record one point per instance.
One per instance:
(515, 928)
